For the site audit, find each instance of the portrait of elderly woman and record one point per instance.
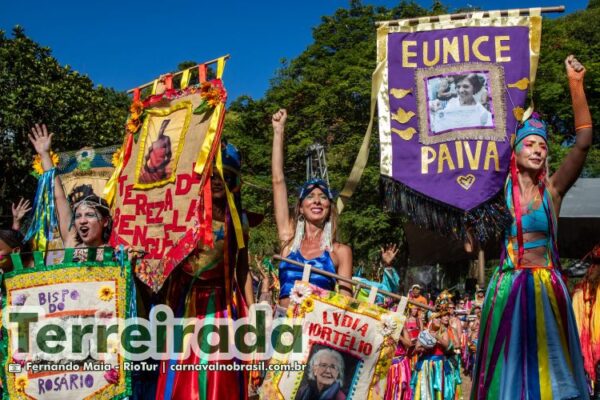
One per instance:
(460, 101)
(324, 377)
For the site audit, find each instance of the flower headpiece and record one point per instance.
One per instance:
(443, 300)
(533, 126)
(312, 184)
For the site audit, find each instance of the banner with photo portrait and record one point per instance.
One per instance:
(41, 354)
(158, 184)
(450, 94)
(347, 351)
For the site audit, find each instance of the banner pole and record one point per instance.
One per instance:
(503, 13)
(145, 85)
(351, 281)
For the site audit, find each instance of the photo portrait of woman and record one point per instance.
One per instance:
(466, 106)
(325, 377)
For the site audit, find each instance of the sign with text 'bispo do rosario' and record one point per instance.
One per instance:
(53, 346)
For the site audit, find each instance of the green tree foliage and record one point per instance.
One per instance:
(326, 90)
(572, 34)
(35, 88)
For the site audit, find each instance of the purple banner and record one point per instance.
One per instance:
(453, 95)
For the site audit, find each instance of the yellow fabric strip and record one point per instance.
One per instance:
(110, 189)
(202, 158)
(535, 43)
(185, 79)
(547, 281)
(595, 321)
(220, 67)
(542, 343)
(495, 14)
(237, 224)
(383, 104)
(363, 154)
(154, 86)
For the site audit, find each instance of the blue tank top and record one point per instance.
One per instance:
(290, 273)
(533, 220)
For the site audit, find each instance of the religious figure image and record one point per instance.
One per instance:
(156, 163)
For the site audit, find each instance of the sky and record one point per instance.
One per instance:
(124, 44)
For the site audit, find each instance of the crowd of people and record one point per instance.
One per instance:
(503, 339)
(437, 348)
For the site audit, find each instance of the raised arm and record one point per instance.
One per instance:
(571, 167)
(280, 200)
(388, 254)
(405, 339)
(442, 337)
(343, 254)
(19, 211)
(42, 142)
(243, 277)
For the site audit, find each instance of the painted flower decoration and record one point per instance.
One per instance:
(116, 157)
(299, 293)
(388, 325)
(19, 360)
(136, 112)
(289, 313)
(317, 291)
(112, 376)
(106, 293)
(20, 299)
(38, 170)
(21, 383)
(136, 109)
(84, 159)
(212, 94)
(104, 314)
(133, 125)
(308, 305)
(205, 88)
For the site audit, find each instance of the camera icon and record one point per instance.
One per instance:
(14, 368)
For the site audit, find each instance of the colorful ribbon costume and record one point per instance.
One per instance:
(205, 288)
(528, 346)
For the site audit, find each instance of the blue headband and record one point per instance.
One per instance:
(312, 184)
(533, 126)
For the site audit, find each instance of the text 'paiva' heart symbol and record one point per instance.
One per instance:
(466, 181)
